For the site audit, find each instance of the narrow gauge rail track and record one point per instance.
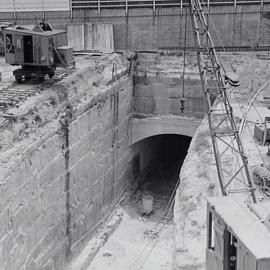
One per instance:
(14, 94)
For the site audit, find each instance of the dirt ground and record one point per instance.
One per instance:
(199, 174)
(129, 246)
(140, 241)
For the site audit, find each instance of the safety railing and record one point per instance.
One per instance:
(105, 4)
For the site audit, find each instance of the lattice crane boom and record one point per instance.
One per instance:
(224, 132)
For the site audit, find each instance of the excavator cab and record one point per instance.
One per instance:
(237, 237)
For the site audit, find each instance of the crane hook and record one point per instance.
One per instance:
(232, 80)
(182, 104)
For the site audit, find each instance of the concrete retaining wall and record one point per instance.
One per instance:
(161, 96)
(144, 30)
(33, 207)
(55, 192)
(98, 159)
(63, 185)
(56, 188)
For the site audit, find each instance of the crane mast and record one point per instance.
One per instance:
(223, 129)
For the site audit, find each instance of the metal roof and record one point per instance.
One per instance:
(244, 224)
(29, 30)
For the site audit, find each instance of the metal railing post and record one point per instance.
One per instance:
(261, 9)
(14, 11)
(126, 7)
(235, 5)
(99, 12)
(70, 10)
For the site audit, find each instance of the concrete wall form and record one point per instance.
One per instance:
(85, 36)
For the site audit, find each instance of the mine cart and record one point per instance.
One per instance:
(238, 236)
(38, 49)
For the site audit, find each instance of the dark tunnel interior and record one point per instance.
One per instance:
(161, 158)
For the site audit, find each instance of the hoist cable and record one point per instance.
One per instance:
(182, 100)
(185, 48)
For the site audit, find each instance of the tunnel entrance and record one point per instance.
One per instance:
(146, 241)
(159, 160)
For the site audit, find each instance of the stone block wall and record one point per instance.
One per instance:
(56, 191)
(98, 159)
(161, 96)
(33, 202)
(63, 177)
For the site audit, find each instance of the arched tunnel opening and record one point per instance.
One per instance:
(156, 165)
(145, 240)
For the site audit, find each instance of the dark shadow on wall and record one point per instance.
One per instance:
(161, 151)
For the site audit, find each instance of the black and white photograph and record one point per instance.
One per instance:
(134, 135)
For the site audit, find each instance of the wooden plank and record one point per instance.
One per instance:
(99, 37)
(91, 37)
(76, 36)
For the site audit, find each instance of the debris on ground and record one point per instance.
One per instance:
(147, 204)
(151, 234)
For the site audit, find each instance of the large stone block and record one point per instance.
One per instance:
(144, 105)
(33, 189)
(50, 149)
(36, 162)
(54, 191)
(54, 212)
(28, 213)
(82, 147)
(107, 141)
(8, 188)
(83, 124)
(7, 243)
(162, 106)
(84, 170)
(37, 232)
(54, 170)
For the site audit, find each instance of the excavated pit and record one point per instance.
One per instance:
(131, 245)
(70, 152)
